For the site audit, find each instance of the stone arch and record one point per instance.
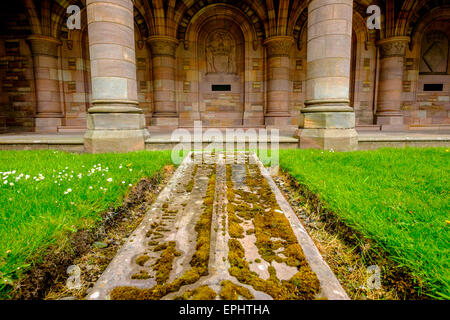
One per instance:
(299, 28)
(59, 16)
(228, 19)
(241, 9)
(225, 12)
(414, 11)
(362, 72)
(427, 107)
(417, 32)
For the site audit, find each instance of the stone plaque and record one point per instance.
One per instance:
(298, 87)
(72, 63)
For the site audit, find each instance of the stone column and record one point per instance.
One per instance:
(390, 85)
(164, 70)
(278, 82)
(115, 123)
(329, 121)
(48, 101)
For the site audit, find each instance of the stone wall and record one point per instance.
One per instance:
(267, 88)
(17, 96)
(420, 107)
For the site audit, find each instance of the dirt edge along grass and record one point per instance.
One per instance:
(40, 279)
(199, 262)
(397, 198)
(400, 277)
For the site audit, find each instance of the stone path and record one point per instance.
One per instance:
(220, 229)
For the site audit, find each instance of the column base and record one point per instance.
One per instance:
(165, 121)
(47, 124)
(115, 132)
(390, 122)
(3, 124)
(327, 139)
(278, 119)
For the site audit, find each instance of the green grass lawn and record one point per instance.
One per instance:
(46, 194)
(398, 197)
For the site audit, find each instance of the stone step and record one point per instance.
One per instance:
(220, 225)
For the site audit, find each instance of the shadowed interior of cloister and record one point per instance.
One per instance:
(312, 69)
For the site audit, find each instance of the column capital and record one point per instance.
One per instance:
(44, 45)
(162, 45)
(279, 46)
(393, 47)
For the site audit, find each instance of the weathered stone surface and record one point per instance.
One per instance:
(166, 65)
(200, 186)
(115, 123)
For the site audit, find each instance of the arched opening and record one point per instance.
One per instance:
(434, 78)
(221, 52)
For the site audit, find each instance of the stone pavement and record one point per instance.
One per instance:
(220, 229)
(367, 140)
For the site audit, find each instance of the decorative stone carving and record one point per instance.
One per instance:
(279, 46)
(162, 46)
(393, 47)
(221, 52)
(44, 46)
(434, 53)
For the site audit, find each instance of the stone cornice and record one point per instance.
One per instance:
(162, 45)
(279, 46)
(393, 47)
(44, 45)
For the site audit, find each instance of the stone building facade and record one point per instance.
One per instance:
(308, 67)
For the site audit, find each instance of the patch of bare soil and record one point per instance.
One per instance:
(90, 250)
(347, 252)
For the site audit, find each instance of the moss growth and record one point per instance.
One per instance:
(142, 260)
(199, 261)
(235, 230)
(163, 265)
(231, 291)
(153, 243)
(269, 224)
(191, 182)
(200, 293)
(141, 275)
(160, 247)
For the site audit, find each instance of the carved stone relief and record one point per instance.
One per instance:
(393, 49)
(220, 52)
(434, 58)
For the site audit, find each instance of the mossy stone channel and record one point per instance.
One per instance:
(216, 231)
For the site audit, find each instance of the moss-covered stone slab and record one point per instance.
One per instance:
(220, 229)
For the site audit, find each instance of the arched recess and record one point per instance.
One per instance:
(76, 86)
(221, 60)
(143, 69)
(363, 70)
(17, 88)
(75, 67)
(428, 102)
(186, 13)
